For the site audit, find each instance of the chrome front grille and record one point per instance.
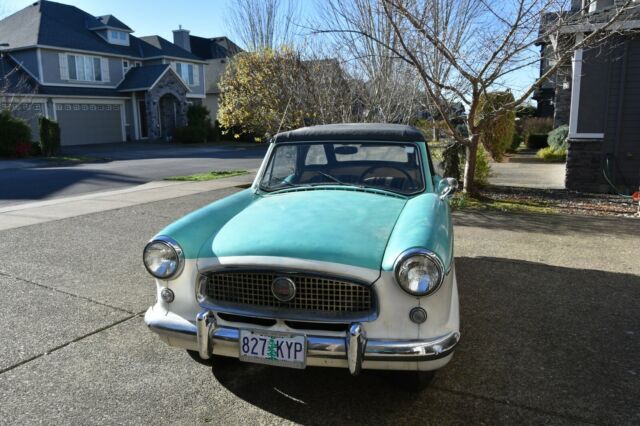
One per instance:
(313, 293)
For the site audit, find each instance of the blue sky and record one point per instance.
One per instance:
(204, 18)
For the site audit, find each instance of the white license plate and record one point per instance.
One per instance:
(284, 350)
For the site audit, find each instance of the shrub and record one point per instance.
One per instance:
(49, 137)
(516, 141)
(15, 134)
(22, 149)
(525, 111)
(497, 134)
(198, 125)
(537, 141)
(483, 168)
(35, 150)
(187, 134)
(537, 125)
(551, 155)
(558, 138)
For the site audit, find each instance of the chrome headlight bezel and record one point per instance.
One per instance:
(429, 257)
(171, 244)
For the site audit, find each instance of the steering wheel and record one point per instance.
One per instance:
(372, 168)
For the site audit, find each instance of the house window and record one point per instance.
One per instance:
(186, 72)
(84, 68)
(118, 37)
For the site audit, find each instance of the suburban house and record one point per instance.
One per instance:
(216, 52)
(91, 75)
(598, 96)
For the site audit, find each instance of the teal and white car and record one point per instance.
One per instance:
(339, 255)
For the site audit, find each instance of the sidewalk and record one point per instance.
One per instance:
(62, 208)
(526, 171)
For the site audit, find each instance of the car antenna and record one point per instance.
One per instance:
(284, 114)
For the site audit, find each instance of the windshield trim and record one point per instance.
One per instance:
(275, 146)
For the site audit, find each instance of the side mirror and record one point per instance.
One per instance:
(447, 187)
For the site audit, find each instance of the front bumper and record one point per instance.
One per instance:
(207, 337)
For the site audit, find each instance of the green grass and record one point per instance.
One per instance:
(201, 177)
(463, 201)
(65, 159)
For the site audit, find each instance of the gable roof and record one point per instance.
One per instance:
(168, 48)
(352, 132)
(110, 21)
(144, 78)
(213, 48)
(47, 23)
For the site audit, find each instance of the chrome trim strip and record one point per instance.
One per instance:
(417, 251)
(285, 315)
(356, 343)
(329, 346)
(204, 321)
(173, 244)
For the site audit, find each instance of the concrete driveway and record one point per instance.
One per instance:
(527, 171)
(549, 322)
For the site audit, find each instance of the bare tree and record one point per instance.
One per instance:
(261, 24)
(463, 49)
(389, 90)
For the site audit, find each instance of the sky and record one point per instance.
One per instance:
(204, 18)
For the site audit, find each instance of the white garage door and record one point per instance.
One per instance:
(89, 123)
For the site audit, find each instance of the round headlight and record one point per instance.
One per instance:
(163, 258)
(419, 272)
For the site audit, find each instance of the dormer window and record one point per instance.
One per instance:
(118, 37)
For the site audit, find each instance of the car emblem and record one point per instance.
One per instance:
(283, 289)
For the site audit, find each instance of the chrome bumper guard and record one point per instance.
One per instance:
(354, 347)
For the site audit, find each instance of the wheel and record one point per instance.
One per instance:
(215, 359)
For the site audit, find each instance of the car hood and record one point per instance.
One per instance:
(338, 225)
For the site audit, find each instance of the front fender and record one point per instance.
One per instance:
(425, 222)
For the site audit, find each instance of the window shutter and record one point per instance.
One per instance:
(196, 75)
(64, 66)
(104, 69)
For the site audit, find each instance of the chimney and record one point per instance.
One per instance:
(181, 38)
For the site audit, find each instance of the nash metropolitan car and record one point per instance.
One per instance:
(340, 254)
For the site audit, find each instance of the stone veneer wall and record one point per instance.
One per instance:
(584, 166)
(168, 84)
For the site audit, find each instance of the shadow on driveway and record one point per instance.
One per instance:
(553, 224)
(539, 344)
(35, 184)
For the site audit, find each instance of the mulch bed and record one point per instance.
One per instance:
(563, 201)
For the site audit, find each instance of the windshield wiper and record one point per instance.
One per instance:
(338, 181)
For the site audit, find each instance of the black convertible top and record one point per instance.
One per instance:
(352, 132)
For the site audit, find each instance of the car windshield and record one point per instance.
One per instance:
(394, 167)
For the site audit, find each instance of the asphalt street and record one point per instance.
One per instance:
(125, 165)
(550, 333)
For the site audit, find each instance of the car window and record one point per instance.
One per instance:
(316, 155)
(391, 166)
(381, 152)
(283, 165)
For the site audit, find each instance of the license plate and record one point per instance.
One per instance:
(281, 349)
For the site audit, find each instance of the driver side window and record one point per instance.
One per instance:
(284, 164)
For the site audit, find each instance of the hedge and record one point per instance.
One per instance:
(15, 136)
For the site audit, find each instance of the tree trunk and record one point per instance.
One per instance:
(470, 166)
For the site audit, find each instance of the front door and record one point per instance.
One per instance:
(142, 113)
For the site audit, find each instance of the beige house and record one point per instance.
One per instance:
(216, 52)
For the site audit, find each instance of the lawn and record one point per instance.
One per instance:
(201, 177)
